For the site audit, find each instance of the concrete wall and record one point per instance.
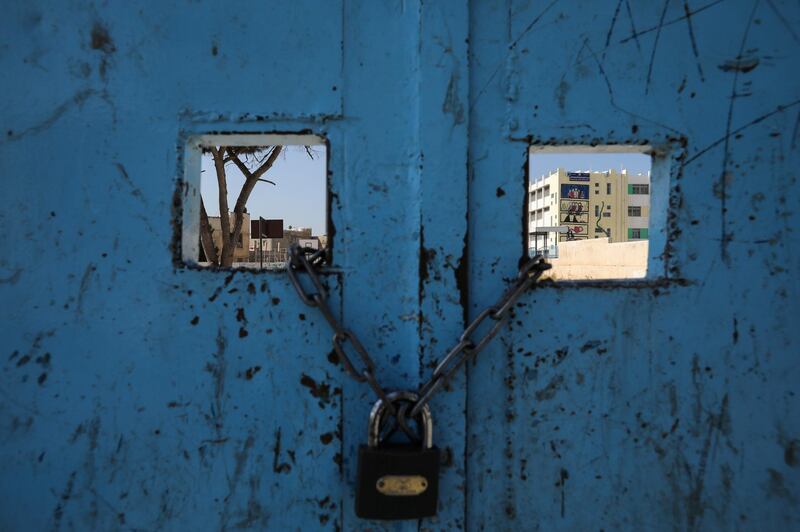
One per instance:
(597, 258)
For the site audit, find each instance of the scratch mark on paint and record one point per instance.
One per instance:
(511, 46)
(76, 100)
(532, 23)
(611, 27)
(692, 38)
(136, 192)
(14, 277)
(233, 483)
(694, 503)
(669, 22)
(723, 177)
(217, 370)
(87, 273)
(783, 20)
(633, 25)
(66, 494)
(611, 93)
(277, 466)
(777, 110)
(452, 104)
(655, 47)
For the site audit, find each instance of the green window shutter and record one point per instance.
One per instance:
(630, 231)
(630, 191)
(644, 233)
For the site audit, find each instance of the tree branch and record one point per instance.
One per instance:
(251, 178)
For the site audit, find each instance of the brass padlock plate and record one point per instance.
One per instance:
(401, 485)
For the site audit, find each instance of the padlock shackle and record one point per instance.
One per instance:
(379, 410)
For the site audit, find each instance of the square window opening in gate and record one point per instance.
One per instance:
(590, 211)
(248, 197)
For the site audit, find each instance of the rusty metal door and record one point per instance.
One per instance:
(139, 393)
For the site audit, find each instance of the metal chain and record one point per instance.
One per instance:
(308, 260)
(467, 348)
(301, 260)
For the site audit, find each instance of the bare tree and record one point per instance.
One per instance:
(252, 162)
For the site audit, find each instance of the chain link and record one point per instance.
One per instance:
(467, 347)
(308, 260)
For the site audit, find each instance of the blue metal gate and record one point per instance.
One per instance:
(138, 394)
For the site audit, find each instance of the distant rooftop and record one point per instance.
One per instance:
(622, 171)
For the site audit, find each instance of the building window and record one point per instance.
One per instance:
(639, 189)
(634, 211)
(638, 234)
(580, 208)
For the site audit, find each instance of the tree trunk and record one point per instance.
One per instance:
(226, 255)
(251, 179)
(212, 254)
(230, 235)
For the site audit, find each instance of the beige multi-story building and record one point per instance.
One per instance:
(585, 205)
(241, 251)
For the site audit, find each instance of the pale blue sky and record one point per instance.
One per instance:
(298, 196)
(544, 163)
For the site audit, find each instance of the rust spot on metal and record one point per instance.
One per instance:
(549, 391)
(251, 372)
(101, 40)
(591, 344)
(318, 391)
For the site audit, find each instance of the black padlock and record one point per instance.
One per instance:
(397, 481)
